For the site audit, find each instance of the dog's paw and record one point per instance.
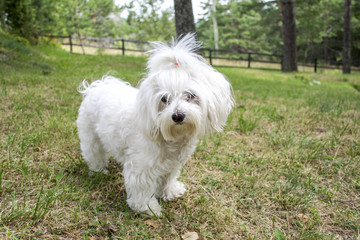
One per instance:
(92, 173)
(152, 208)
(177, 189)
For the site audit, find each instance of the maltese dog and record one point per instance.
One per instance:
(153, 130)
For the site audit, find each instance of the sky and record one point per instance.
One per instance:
(197, 9)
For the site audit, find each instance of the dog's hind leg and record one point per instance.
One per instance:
(92, 150)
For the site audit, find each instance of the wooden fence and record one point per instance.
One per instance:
(217, 58)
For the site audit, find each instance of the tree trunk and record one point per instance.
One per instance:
(289, 35)
(216, 32)
(325, 38)
(326, 54)
(347, 38)
(184, 17)
(78, 29)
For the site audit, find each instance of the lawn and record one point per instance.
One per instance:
(286, 167)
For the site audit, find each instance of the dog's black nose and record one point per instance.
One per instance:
(178, 117)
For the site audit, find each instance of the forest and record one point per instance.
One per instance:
(247, 25)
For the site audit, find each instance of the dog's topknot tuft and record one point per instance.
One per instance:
(182, 52)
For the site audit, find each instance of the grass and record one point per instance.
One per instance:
(286, 167)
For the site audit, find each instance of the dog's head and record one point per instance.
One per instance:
(182, 95)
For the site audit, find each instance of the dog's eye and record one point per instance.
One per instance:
(164, 99)
(190, 96)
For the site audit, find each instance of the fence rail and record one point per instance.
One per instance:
(217, 58)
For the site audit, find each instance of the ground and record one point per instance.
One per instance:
(287, 165)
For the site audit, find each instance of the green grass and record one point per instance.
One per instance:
(286, 167)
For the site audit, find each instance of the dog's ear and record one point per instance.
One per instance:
(146, 107)
(219, 100)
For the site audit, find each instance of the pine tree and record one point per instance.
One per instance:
(289, 63)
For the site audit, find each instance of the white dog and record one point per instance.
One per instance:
(152, 131)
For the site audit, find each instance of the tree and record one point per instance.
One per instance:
(310, 35)
(243, 26)
(289, 63)
(216, 32)
(355, 33)
(148, 21)
(347, 38)
(184, 17)
(31, 18)
(19, 18)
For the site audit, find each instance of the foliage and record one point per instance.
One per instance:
(255, 25)
(18, 16)
(97, 18)
(241, 26)
(324, 38)
(147, 21)
(30, 18)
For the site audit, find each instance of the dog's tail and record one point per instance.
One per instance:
(85, 86)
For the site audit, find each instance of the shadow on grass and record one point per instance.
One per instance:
(102, 192)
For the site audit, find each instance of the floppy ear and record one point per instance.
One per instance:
(146, 108)
(219, 100)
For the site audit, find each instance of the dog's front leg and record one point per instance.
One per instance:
(141, 185)
(172, 188)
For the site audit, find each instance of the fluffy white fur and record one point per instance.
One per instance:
(153, 130)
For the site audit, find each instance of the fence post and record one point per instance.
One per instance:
(210, 56)
(249, 59)
(123, 46)
(315, 65)
(70, 42)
